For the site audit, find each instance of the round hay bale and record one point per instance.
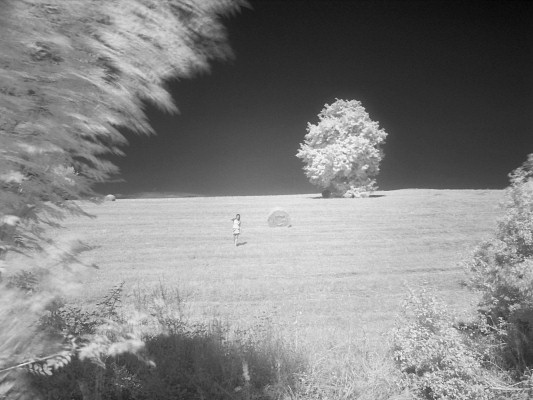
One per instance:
(110, 197)
(278, 217)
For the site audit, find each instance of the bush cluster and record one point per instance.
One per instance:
(492, 356)
(177, 360)
(502, 270)
(435, 359)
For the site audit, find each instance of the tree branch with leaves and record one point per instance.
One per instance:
(73, 73)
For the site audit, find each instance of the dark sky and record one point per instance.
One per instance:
(451, 82)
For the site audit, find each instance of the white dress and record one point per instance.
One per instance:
(236, 226)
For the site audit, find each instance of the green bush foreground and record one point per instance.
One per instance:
(177, 359)
(490, 357)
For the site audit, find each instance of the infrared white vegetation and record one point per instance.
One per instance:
(342, 152)
(71, 73)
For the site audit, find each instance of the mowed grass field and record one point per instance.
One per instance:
(341, 270)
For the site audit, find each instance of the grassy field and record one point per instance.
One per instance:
(340, 271)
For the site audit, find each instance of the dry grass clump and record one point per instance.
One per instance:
(212, 360)
(176, 358)
(349, 370)
(193, 360)
(259, 361)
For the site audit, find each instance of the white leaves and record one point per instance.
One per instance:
(10, 220)
(44, 366)
(71, 75)
(50, 364)
(111, 339)
(34, 149)
(64, 174)
(343, 150)
(130, 345)
(12, 177)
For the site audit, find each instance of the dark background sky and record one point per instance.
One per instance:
(451, 82)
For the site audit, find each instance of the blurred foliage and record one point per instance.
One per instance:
(72, 72)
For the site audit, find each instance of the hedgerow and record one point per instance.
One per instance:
(435, 359)
(490, 357)
(501, 269)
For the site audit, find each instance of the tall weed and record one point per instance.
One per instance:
(349, 370)
(176, 360)
(208, 360)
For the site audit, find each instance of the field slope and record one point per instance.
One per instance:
(342, 268)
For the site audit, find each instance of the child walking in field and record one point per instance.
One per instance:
(236, 228)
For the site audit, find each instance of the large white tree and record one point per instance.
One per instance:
(342, 152)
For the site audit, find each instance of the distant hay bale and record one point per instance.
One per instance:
(278, 217)
(110, 197)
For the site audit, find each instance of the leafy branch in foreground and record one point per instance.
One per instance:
(45, 365)
(72, 72)
(90, 337)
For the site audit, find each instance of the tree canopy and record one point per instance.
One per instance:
(342, 151)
